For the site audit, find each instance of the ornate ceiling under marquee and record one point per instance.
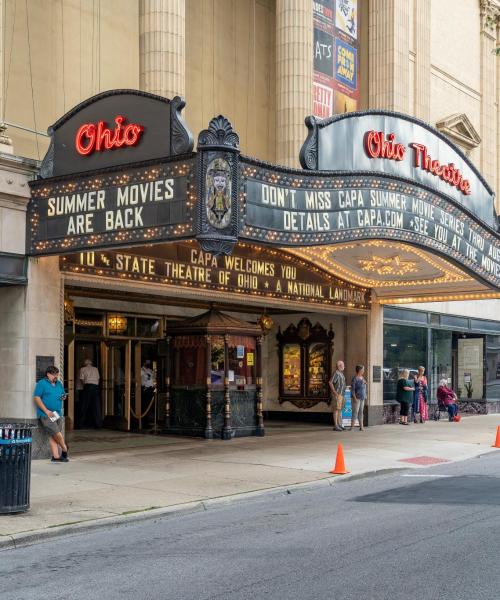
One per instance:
(395, 271)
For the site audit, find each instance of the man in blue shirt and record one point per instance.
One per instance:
(49, 395)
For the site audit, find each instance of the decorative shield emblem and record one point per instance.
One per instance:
(218, 193)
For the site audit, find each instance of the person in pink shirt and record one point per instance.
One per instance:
(447, 397)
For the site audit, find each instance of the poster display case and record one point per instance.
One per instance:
(305, 357)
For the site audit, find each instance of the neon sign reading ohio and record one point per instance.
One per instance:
(378, 145)
(92, 137)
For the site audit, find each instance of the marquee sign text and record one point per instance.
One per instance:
(254, 271)
(330, 210)
(126, 208)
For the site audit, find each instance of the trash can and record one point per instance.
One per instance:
(15, 467)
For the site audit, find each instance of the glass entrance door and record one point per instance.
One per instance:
(83, 351)
(144, 405)
(117, 365)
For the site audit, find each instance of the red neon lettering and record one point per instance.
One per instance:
(448, 173)
(85, 139)
(91, 137)
(377, 147)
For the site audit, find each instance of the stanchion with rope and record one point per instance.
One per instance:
(141, 416)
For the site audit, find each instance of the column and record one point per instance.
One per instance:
(227, 431)
(388, 41)
(209, 433)
(5, 141)
(258, 381)
(294, 63)
(168, 380)
(162, 41)
(490, 14)
(375, 351)
(497, 190)
(422, 83)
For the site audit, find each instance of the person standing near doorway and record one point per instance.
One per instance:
(91, 405)
(420, 397)
(358, 397)
(337, 387)
(49, 396)
(404, 395)
(147, 389)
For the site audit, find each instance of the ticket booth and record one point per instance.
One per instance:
(214, 384)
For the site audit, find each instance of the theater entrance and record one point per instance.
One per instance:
(129, 373)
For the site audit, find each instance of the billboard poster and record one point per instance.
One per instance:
(346, 17)
(336, 57)
(323, 60)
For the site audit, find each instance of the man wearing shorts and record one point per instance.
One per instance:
(49, 395)
(337, 387)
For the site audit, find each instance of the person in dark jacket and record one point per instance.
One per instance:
(404, 395)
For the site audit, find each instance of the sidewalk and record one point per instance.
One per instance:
(184, 472)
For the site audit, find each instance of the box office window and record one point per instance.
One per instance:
(241, 353)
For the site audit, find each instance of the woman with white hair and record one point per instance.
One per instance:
(447, 397)
(404, 395)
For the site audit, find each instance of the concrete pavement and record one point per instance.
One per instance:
(154, 474)
(430, 534)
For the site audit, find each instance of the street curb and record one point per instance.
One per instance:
(29, 538)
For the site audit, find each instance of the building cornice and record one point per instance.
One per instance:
(490, 16)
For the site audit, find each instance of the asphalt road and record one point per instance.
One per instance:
(431, 533)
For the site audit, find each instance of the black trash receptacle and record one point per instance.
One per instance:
(15, 467)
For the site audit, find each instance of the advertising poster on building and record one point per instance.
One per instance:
(323, 62)
(346, 63)
(336, 57)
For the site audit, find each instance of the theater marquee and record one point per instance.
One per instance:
(120, 172)
(248, 270)
(284, 208)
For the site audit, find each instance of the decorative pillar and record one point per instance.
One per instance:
(5, 141)
(258, 382)
(497, 190)
(294, 77)
(422, 83)
(375, 354)
(330, 366)
(167, 382)
(389, 53)
(226, 429)
(162, 52)
(490, 16)
(209, 434)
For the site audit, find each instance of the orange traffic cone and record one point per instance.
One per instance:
(339, 468)
(497, 442)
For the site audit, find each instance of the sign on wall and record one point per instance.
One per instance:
(128, 207)
(248, 270)
(116, 127)
(399, 145)
(336, 57)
